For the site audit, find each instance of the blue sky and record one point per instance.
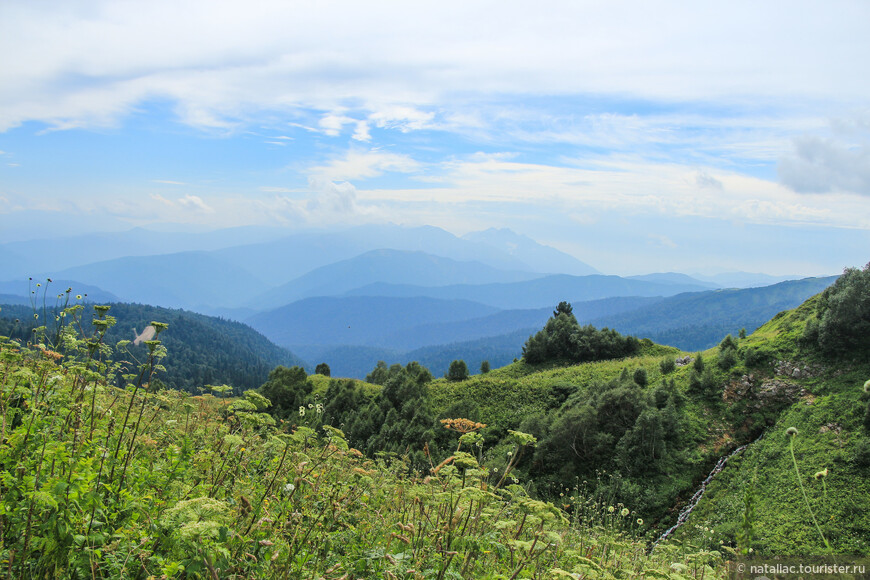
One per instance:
(638, 136)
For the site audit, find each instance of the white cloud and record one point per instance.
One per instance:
(661, 240)
(355, 165)
(704, 179)
(362, 132)
(270, 189)
(188, 202)
(820, 165)
(403, 118)
(332, 124)
(629, 186)
(194, 202)
(162, 200)
(93, 62)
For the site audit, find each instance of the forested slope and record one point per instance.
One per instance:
(204, 350)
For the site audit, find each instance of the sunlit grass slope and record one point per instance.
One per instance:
(104, 482)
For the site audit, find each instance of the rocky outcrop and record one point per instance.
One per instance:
(684, 360)
(771, 392)
(796, 370)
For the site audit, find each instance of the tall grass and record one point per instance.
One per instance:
(102, 475)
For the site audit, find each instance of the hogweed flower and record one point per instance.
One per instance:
(462, 425)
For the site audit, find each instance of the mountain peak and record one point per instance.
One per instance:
(537, 257)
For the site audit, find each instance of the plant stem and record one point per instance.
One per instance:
(806, 499)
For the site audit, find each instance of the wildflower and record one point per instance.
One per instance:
(310, 405)
(624, 512)
(320, 408)
(867, 387)
(289, 488)
(35, 316)
(301, 410)
(462, 425)
(822, 474)
(640, 521)
(78, 296)
(611, 509)
(791, 431)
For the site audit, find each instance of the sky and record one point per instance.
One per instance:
(637, 136)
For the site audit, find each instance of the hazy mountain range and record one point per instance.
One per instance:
(352, 296)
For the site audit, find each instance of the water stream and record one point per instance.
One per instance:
(687, 509)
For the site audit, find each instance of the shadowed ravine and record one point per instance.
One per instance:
(687, 509)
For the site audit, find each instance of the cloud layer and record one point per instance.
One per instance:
(221, 63)
(614, 115)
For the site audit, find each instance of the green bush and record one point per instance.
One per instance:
(861, 455)
(458, 371)
(844, 313)
(563, 339)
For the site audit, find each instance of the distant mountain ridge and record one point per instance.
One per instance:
(690, 321)
(696, 321)
(218, 272)
(386, 266)
(22, 289)
(537, 293)
(188, 280)
(536, 257)
(357, 320)
(674, 278)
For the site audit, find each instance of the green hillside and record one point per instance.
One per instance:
(204, 350)
(569, 466)
(832, 444)
(143, 482)
(698, 320)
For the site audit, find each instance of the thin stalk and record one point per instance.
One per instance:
(803, 491)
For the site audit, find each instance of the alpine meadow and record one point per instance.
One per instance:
(434, 290)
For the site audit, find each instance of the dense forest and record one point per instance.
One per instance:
(203, 350)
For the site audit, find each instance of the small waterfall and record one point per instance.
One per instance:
(687, 509)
